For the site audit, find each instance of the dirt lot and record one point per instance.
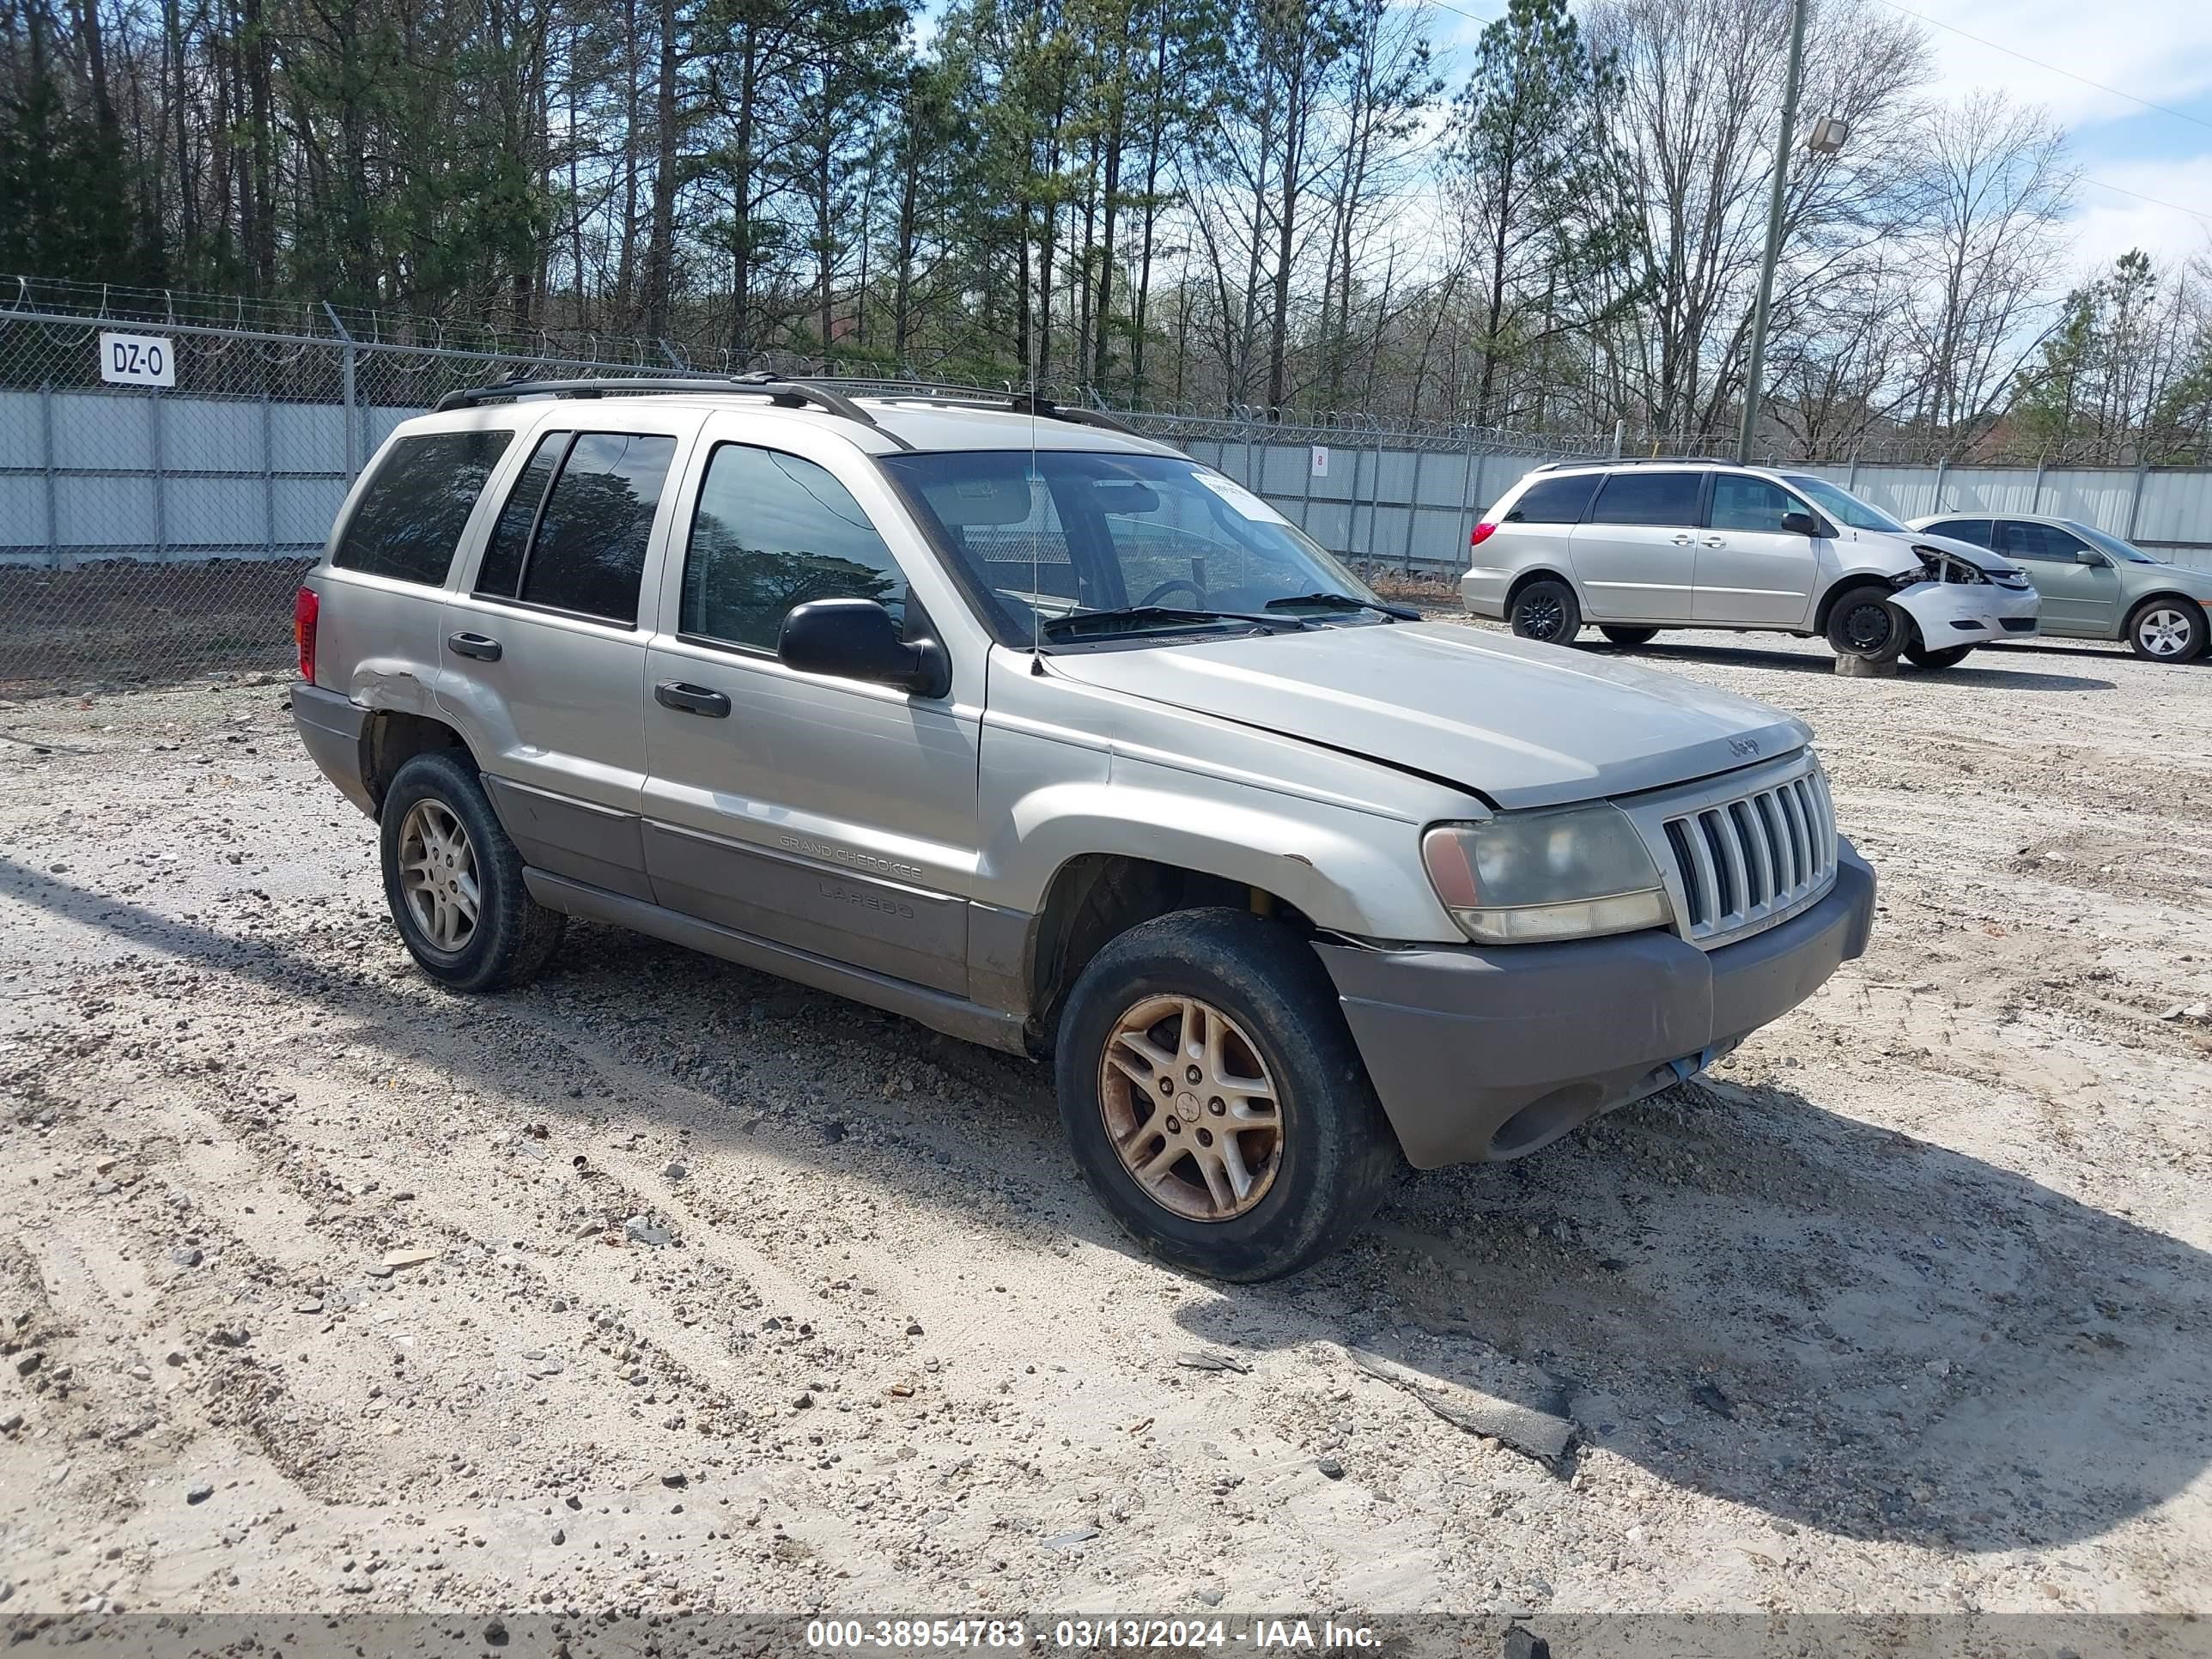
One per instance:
(1906, 1308)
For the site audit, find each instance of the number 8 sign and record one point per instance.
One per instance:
(137, 359)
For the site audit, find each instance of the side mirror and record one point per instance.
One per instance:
(1801, 524)
(2088, 556)
(857, 639)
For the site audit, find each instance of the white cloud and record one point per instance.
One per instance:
(2107, 224)
(2159, 50)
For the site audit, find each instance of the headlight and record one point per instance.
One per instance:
(1530, 875)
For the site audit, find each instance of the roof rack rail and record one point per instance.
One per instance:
(1020, 402)
(1639, 460)
(785, 394)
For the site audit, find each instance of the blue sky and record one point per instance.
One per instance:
(2160, 50)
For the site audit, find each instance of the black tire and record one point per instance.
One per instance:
(1546, 610)
(1863, 623)
(2186, 615)
(1627, 637)
(513, 935)
(1921, 657)
(1334, 1153)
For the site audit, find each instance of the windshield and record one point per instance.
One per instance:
(1068, 532)
(1840, 504)
(2111, 545)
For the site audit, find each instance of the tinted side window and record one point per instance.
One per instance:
(1976, 530)
(1556, 500)
(589, 553)
(1743, 503)
(2038, 541)
(502, 567)
(416, 504)
(1662, 498)
(773, 531)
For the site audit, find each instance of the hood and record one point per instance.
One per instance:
(1517, 723)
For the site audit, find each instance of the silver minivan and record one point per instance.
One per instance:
(1039, 733)
(1638, 546)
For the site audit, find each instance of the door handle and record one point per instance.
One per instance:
(691, 699)
(1683, 540)
(479, 646)
(1714, 541)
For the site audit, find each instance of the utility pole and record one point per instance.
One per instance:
(1754, 377)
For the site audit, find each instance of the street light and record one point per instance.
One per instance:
(1827, 138)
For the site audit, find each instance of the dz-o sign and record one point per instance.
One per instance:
(137, 359)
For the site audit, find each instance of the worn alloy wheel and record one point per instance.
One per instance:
(438, 874)
(1191, 1108)
(1213, 1098)
(2165, 631)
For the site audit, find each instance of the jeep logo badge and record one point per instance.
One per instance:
(1743, 746)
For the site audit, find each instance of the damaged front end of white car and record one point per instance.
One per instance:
(1959, 596)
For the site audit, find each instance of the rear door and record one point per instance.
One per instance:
(831, 815)
(1750, 570)
(2080, 600)
(543, 653)
(1635, 555)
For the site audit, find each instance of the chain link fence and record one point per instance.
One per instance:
(152, 533)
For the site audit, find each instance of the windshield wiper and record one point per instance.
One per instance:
(1347, 602)
(1166, 616)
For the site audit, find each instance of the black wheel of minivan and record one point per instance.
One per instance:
(1627, 637)
(1546, 610)
(1213, 1098)
(453, 880)
(1921, 657)
(1863, 623)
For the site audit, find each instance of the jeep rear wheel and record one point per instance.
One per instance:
(1214, 1099)
(453, 880)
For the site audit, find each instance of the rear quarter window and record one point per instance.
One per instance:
(1555, 500)
(412, 511)
(1649, 498)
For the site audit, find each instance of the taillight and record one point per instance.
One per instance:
(1482, 534)
(306, 608)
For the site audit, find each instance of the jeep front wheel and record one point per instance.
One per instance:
(1214, 1100)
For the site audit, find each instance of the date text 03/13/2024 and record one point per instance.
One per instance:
(912, 1635)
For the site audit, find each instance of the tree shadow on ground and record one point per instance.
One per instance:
(1743, 1292)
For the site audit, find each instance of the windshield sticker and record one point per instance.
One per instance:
(1240, 498)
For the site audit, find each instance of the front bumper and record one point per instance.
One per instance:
(1971, 613)
(330, 726)
(1481, 1053)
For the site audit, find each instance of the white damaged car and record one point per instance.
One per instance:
(1632, 547)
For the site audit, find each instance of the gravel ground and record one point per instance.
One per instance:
(664, 1283)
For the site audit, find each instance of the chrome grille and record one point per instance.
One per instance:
(1740, 859)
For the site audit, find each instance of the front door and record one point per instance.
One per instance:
(2079, 599)
(1750, 569)
(1635, 557)
(830, 815)
(542, 659)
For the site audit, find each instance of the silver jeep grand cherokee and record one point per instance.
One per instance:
(999, 717)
